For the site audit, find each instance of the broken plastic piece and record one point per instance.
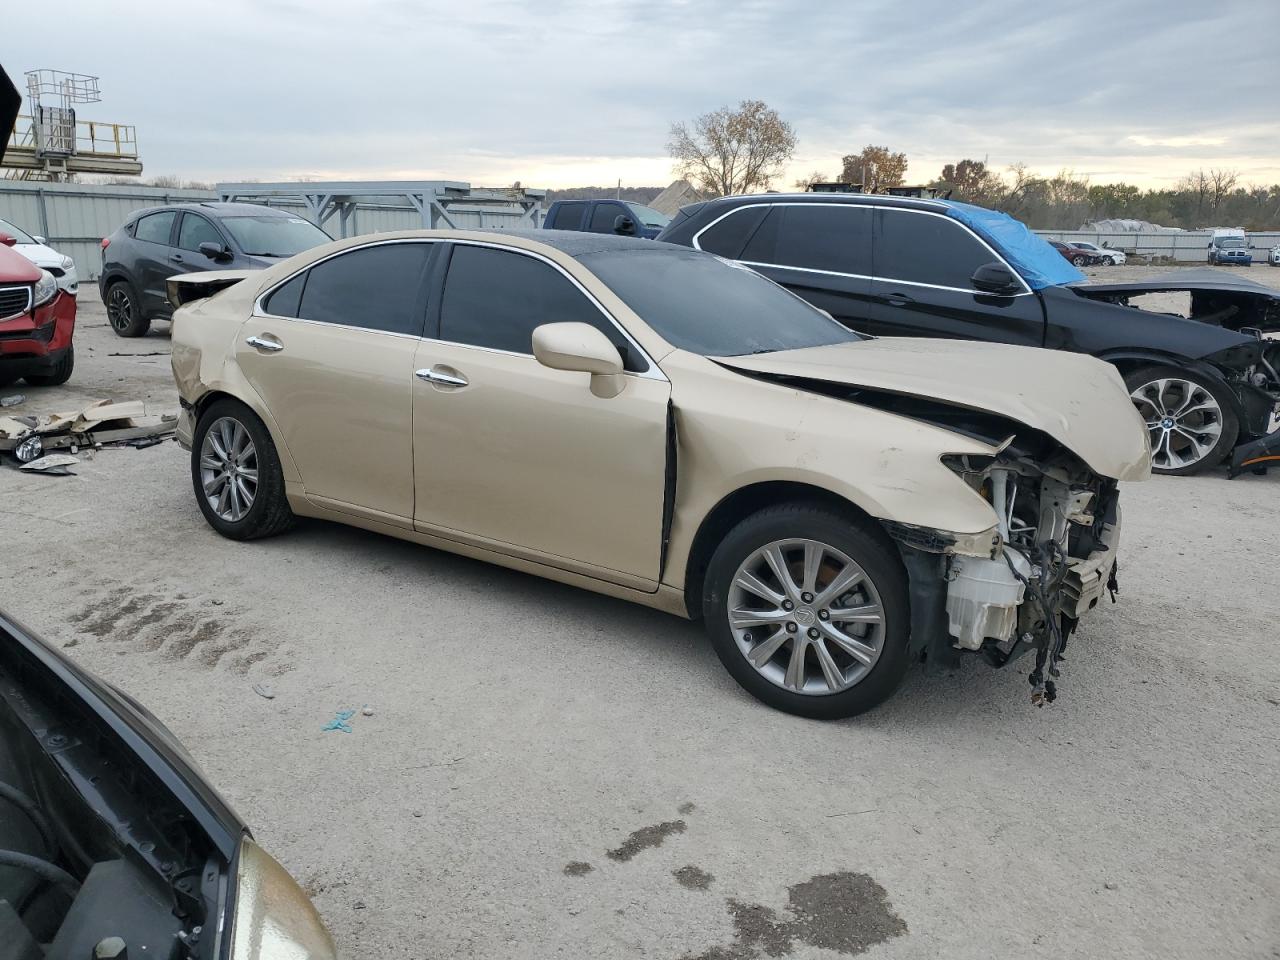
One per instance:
(339, 721)
(59, 464)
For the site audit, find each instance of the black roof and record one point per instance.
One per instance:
(218, 209)
(874, 199)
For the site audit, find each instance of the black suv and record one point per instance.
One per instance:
(158, 242)
(1206, 383)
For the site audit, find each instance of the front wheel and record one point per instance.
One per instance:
(60, 373)
(236, 473)
(124, 312)
(1189, 418)
(807, 609)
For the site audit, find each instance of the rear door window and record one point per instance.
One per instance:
(825, 236)
(569, 216)
(495, 298)
(284, 300)
(926, 248)
(156, 227)
(377, 288)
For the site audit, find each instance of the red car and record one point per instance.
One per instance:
(1077, 256)
(37, 321)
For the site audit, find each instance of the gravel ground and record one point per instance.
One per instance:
(549, 773)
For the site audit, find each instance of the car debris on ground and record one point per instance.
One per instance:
(58, 464)
(101, 423)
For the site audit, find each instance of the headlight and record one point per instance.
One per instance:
(46, 288)
(274, 919)
(67, 263)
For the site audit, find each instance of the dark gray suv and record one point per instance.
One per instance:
(158, 242)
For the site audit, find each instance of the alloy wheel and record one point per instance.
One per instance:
(229, 469)
(119, 308)
(806, 617)
(1183, 420)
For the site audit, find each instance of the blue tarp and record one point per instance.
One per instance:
(1039, 263)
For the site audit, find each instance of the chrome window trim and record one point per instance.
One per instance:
(30, 291)
(1026, 290)
(653, 373)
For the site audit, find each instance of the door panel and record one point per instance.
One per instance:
(920, 287)
(152, 267)
(343, 399)
(528, 456)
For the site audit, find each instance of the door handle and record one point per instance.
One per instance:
(176, 258)
(262, 343)
(440, 378)
(898, 299)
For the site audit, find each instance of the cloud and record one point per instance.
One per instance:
(555, 94)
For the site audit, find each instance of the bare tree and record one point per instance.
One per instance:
(1221, 183)
(733, 151)
(876, 168)
(804, 183)
(1198, 185)
(971, 180)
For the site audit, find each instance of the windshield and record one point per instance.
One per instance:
(1084, 246)
(20, 235)
(713, 307)
(274, 236)
(649, 216)
(1231, 242)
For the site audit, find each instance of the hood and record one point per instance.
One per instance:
(1218, 298)
(40, 254)
(1077, 400)
(15, 268)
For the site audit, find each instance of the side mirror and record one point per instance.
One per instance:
(624, 225)
(40, 239)
(7, 240)
(580, 347)
(214, 251)
(995, 278)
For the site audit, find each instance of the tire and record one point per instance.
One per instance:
(60, 374)
(268, 510)
(1210, 419)
(789, 527)
(124, 311)
(1079, 261)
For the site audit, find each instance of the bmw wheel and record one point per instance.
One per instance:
(1189, 418)
(236, 473)
(124, 312)
(807, 609)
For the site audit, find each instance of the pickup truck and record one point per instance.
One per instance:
(605, 216)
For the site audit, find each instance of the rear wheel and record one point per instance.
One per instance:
(124, 311)
(236, 473)
(807, 610)
(1079, 261)
(1189, 418)
(60, 373)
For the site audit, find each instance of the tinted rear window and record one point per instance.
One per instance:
(378, 288)
(568, 216)
(727, 237)
(155, 227)
(710, 306)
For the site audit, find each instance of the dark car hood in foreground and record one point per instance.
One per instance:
(140, 732)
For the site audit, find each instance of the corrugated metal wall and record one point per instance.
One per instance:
(74, 217)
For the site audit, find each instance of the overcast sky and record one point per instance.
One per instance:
(580, 93)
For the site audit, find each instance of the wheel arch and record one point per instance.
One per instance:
(251, 400)
(742, 503)
(1127, 360)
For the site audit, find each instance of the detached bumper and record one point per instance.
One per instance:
(1256, 455)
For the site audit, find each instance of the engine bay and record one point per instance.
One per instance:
(97, 858)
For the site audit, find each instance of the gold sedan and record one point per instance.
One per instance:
(662, 425)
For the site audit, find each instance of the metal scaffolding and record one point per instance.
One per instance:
(439, 203)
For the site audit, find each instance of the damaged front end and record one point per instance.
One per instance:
(1024, 585)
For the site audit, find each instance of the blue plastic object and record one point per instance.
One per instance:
(1038, 263)
(339, 721)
